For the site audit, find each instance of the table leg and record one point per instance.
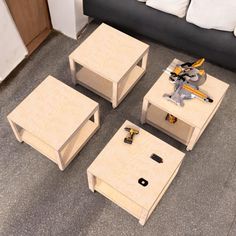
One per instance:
(193, 138)
(114, 95)
(59, 160)
(144, 111)
(143, 217)
(91, 181)
(97, 117)
(15, 130)
(73, 70)
(144, 61)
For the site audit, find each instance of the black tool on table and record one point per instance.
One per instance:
(156, 158)
(143, 182)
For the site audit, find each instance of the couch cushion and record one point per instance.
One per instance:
(215, 14)
(132, 16)
(174, 7)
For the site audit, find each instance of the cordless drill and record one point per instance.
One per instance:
(130, 136)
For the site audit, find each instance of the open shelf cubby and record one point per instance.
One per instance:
(180, 130)
(70, 149)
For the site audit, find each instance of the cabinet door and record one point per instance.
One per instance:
(32, 20)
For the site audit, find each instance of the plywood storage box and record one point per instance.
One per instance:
(112, 63)
(56, 120)
(192, 118)
(127, 175)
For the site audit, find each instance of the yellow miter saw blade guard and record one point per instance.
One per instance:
(198, 63)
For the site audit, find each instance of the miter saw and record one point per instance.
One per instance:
(187, 77)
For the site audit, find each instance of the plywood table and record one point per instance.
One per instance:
(192, 118)
(56, 120)
(127, 175)
(112, 63)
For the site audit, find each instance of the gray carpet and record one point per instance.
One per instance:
(36, 198)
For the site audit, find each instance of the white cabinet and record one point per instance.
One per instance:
(12, 48)
(67, 16)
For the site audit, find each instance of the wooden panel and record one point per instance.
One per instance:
(197, 132)
(38, 40)
(164, 190)
(109, 53)
(129, 81)
(56, 120)
(110, 58)
(78, 141)
(69, 151)
(37, 144)
(118, 198)
(53, 112)
(95, 83)
(103, 87)
(121, 165)
(32, 20)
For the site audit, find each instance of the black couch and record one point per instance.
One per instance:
(216, 46)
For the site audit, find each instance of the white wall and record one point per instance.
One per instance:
(81, 19)
(67, 16)
(12, 48)
(62, 16)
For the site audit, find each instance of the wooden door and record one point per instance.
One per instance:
(32, 20)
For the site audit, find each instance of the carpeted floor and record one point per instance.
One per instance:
(38, 199)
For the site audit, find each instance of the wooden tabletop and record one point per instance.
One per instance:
(121, 165)
(194, 112)
(109, 52)
(53, 112)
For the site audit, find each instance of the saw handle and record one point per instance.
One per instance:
(209, 100)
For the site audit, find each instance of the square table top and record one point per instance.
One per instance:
(194, 112)
(109, 52)
(121, 165)
(53, 112)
